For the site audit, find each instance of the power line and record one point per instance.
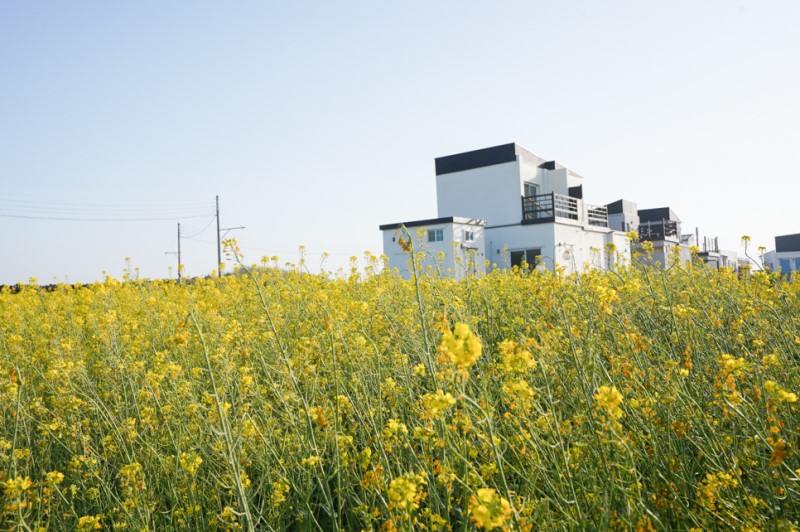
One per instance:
(72, 219)
(196, 232)
(110, 204)
(110, 211)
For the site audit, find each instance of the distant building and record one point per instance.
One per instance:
(786, 255)
(712, 255)
(525, 209)
(458, 241)
(662, 228)
(504, 206)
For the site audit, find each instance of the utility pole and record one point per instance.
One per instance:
(219, 245)
(178, 253)
(219, 240)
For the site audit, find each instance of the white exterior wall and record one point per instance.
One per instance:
(770, 260)
(587, 248)
(773, 260)
(555, 181)
(492, 193)
(585, 245)
(501, 241)
(662, 252)
(452, 256)
(573, 179)
(558, 180)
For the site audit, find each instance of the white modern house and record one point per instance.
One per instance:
(451, 245)
(502, 206)
(662, 228)
(712, 255)
(786, 255)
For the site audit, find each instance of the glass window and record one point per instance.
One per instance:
(531, 189)
(530, 257)
(797, 263)
(469, 236)
(786, 266)
(435, 235)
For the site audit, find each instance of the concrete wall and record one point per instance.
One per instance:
(575, 248)
(777, 261)
(501, 241)
(453, 256)
(587, 248)
(663, 251)
(623, 215)
(555, 181)
(492, 193)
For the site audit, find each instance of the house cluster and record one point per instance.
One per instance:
(786, 255)
(501, 206)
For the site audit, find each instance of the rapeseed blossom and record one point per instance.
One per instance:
(488, 510)
(460, 347)
(437, 403)
(607, 401)
(406, 492)
(515, 358)
(272, 399)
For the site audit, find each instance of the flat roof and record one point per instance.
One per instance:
(622, 205)
(504, 153)
(434, 221)
(658, 214)
(786, 243)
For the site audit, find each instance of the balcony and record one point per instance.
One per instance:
(659, 230)
(547, 208)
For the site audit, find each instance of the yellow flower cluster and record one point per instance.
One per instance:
(488, 510)
(437, 403)
(772, 388)
(406, 492)
(608, 400)
(271, 398)
(460, 347)
(709, 490)
(515, 358)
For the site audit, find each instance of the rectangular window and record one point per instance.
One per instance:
(530, 257)
(469, 236)
(786, 266)
(435, 235)
(531, 189)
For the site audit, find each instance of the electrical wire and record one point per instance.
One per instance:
(109, 204)
(95, 212)
(70, 219)
(194, 231)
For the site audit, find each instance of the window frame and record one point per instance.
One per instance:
(525, 189)
(527, 253)
(434, 233)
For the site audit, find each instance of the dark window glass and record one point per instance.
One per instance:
(530, 256)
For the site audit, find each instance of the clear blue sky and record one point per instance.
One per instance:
(316, 122)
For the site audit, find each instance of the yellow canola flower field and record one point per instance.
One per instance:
(640, 399)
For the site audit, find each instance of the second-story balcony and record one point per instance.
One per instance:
(547, 208)
(659, 230)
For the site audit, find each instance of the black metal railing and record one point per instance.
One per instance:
(659, 230)
(538, 208)
(543, 208)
